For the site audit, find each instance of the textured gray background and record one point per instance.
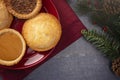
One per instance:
(79, 61)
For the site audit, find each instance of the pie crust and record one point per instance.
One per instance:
(42, 32)
(5, 17)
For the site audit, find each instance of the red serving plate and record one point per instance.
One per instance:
(32, 57)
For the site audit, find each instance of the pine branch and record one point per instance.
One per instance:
(104, 43)
(100, 18)
(115, 32)
(83, 7)
(88, 6)
(114, 27)
(117, 22)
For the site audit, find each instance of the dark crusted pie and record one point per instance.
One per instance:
(24, 9)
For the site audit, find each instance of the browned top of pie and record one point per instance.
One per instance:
(42, 32)
(23, 6)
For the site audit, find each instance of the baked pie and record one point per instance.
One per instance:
(5, 17)
(24, 9)
(42, 32)
(12, 47)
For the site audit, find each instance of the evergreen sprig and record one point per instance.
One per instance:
(114, 27)
(83, 7)
(88, 6)
(103, 42)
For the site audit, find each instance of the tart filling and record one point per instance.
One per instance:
(24, 9)
(12, 47)
(23, 6)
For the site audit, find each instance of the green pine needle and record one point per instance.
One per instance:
(103, 42)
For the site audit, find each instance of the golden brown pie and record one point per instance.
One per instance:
(5, 17)
(24, 9)
(42, 32)
(12, 47)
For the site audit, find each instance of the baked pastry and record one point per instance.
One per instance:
(42, 32)
(5, 17)
(12, 47)
(24, 9)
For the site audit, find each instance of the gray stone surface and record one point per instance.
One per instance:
(80, 61)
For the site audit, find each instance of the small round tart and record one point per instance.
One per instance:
(42, 32)
(5, 17)
(12, 47)
(24, 9)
